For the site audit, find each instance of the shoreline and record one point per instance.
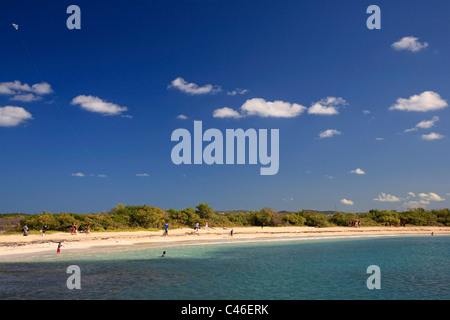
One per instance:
(14, 245)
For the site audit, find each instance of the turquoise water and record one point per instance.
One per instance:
(413, 267)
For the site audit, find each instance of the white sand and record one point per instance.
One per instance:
(17, 244)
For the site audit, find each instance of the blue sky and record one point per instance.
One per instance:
(86, 115)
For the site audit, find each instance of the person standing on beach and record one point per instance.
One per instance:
(74, 228)
(166, 232)
(25, 230)
(231, 232)
(59, 248)
(44, 229)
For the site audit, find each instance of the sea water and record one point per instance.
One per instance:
(411, 267)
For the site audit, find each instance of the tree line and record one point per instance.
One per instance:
(144, 217)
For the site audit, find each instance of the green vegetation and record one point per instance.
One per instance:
(152, 218)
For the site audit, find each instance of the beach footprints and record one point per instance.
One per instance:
(374, 280)
(74, 280)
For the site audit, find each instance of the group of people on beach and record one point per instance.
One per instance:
(354, 223)
(75, 229)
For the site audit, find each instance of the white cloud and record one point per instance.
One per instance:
(327, 106)
(426, 101)
(349, 202)
(41, 88)
(329, 133)
(366, 112)
(23, 91)
(262, 108)
(357, 171)
(237, 91)
(424, 124)
(318, 108)
(17, 87)
(12, 116)
(410, 44)
(27, 97)
(432, 136)
(379, 139)
(78, 174)
(182, 117)
(430, 196)
(226, 112)
(142, 175)
(95, 104)
(415, 204)
(425, 199)
(383, 197)
(277, 109)
(192, 88)
(329, 177)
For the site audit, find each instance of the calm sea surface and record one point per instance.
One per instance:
(412, 267)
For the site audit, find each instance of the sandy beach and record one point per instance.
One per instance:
(17, 244)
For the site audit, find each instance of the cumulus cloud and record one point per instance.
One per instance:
(182, 117)
(28, 97)
(277, 109)
(425, 124)
(226, 112)
(329, 133)
(349, 202)
(357, 171)
(11, 116)
(95, 104)
(383, 197)
(430, 196)
(426, 101)
(24, 92)
(432, 136)
(193, 88)
(17, 87)
(409, 43)
(262, 108)
(327, 106)
(423, 200)
(415, 204)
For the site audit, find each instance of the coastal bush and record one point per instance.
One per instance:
(315, 219)
(123, 217)
(238, 219)
(339, 219)
(295, 219)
